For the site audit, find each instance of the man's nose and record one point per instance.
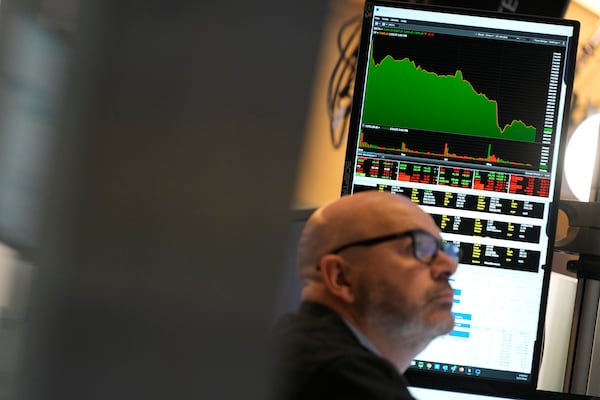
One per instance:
(443, 266)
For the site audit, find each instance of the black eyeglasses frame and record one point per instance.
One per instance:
(393, 236)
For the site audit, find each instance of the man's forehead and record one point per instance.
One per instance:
(371, 210)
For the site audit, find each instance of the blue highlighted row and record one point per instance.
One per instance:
(462, 321)
(461, 316)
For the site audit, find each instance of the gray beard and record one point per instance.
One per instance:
(381, 305)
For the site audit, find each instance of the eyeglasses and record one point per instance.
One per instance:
(425, 246)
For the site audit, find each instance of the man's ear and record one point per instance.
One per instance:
(334, 272)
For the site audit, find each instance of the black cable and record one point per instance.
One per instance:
(342, 49)
(341, 81)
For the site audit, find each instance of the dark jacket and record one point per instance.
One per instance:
(321, 358)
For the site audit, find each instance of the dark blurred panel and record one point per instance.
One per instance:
(289, 287)
(33, 57)
(165, 210)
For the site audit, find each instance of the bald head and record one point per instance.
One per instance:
(350, 218)
(385, 289)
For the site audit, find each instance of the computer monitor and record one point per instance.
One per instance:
(465, 112)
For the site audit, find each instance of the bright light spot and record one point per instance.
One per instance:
(580, 157)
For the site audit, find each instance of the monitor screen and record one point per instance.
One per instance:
(465, 113)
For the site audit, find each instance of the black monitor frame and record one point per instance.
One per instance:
(480, 384)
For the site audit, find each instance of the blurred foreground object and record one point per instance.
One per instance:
(167, 181)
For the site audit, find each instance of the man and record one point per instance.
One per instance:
(375, 293)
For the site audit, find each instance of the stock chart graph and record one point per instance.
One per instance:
(427, 95)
